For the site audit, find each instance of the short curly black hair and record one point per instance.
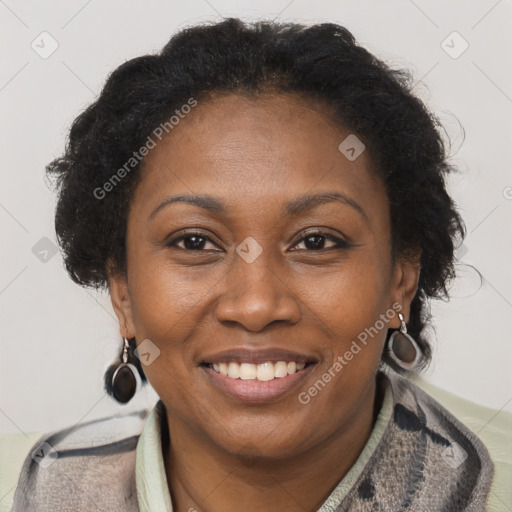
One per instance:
(323, 63)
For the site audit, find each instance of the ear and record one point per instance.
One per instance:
(406, 276)
(120, 297)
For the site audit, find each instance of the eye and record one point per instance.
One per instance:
(317, 241)
(193, 242)
(313, 241)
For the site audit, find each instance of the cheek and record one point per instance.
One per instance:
(350, 295)
(350, 306)
(167, 299)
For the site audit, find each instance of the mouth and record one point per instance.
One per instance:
(263, 372)
(257, 376)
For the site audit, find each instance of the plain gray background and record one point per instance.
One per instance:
(57, 339)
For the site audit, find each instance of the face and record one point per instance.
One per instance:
(255, 245)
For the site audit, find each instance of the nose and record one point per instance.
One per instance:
(256, 295)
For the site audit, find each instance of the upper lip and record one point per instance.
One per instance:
(257, 356)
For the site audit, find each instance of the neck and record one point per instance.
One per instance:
(202, 476)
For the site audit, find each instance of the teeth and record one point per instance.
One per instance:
(265, 371)
(248, 371)
(280, 369)
(262, 372)
(291, 367)
(234, 370)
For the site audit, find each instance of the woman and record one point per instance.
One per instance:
(266, 206)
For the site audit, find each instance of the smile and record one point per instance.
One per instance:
(262, 372)
(257, 383)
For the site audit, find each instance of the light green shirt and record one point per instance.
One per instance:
(494, 429)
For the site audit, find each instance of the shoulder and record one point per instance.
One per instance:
(92, 456)
(493, 428)
(14, 449)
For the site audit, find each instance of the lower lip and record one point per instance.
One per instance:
(256, 391)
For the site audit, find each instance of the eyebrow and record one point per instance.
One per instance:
(293, 207)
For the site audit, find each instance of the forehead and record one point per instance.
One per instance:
(254, 148)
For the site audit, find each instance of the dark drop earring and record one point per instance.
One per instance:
(402, 348)
(125, 378)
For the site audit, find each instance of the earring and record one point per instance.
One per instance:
(124, 379)
(402, 348)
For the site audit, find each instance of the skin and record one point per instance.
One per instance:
(256, 153)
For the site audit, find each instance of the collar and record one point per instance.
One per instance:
(152, 487)
(418, 457)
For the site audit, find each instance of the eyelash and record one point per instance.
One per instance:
(340, 243)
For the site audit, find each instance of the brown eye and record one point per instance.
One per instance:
(320, 241)
(193, 242)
